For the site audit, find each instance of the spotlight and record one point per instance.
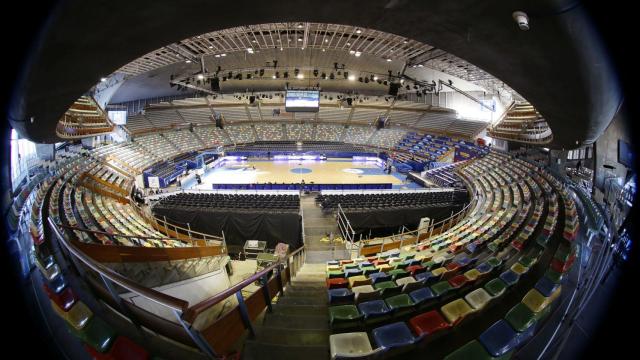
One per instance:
(360, 79)
(352, 78)
(324, 76)
(261, 72)
(200, 76)
(277, 75)
(188, 61)
(358, 53)
(408, 87)
(346, 74)
(315, 72)
(224, 78)
(103, 79)
(230, 75)
(331, 76)
(296, 71)
(273, 77)
(249, 76)
(366, 80)
(286, 74)
(300, 76)
(385, 83)
(335, 65)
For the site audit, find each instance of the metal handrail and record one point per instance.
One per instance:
(192, 312)
(117, 235)
(153, 295)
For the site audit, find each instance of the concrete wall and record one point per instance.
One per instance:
(606, 152)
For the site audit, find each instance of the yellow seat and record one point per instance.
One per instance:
(519, 268)
(334, 268)
(384, 268)
(439, 271)
(362, 289)
(536, 302)
(456, 310)
(359, 280)
(472, 274)
(78, 316)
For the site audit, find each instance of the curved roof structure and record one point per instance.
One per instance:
(483, 33)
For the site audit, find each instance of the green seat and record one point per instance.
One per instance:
(335, 274)
(343, 313)
(553, 275)
(384, 285)
(495, 287)
(441, 288)
(351, 266)
(399, 302)
(97, 334)
(494, 262)
(520, 317)
(473, 350)
(493, 247)
(398, 273)
(428, 264)
(528, 261)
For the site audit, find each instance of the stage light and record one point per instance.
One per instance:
(296, 71)
(388, 60)
(352, 78)
(366, 80)
(188, 61)
(358, 31)
(216, 55)
(315, 72)
(223, 54)
(360, 79)
(250, 50)
(249, 76)
(358, 53)
(200, 76)
(277, 75)
(273, 77)
(323, 50)
(385, 83)
(286, 74)
(224, 78)
(331, 76)
(352, 52)
(346, 74)
(300, 76)
(103, 79)
(323, 76)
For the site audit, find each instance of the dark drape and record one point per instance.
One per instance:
(371, 219)
(238, 226)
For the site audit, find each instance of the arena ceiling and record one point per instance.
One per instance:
(559, 65)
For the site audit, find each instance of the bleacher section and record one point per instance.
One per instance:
(387, 138)
(241, 133)
(268, 132)
(358, 134)
(522, 123)
(184, 140)
(232, 201)
(493, 278)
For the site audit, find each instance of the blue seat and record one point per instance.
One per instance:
(57, 284)
(352, 272)
(341, 295)
(374, 308)
(421, 295)
(393, 335)
(509, 277)
(423, 277)
(499, 339)
(379, 277)
(484, 268)
(333, 262)
(546, 287)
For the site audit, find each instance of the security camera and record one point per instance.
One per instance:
(521, 19)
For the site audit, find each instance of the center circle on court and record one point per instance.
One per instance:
(353, 171)
(300, 170)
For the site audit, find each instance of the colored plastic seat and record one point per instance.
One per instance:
(343, 313)
(337, 283)
(441, 288)
(379, 277)
(405, 280)
(554, 276)
(363, 289)
(96, 334)
(340, 296)
(456, 310)
(335, 267)
(424, 276)
(546, 286)
(123, 348)
(369, 271)
(78, 316)
(538, 302)
(509, 277)
(520, 317)
(335, 274)
(438, 271)
(494, 262)
(484, 268)
(399, 302)
(478, 298)
(398, 274)
(458, 281)
(428, 323)
(472, 275)
(385, 285)
(422, 295)
(358, 281)
(495, 287)
(393, 335)
(374, 308)
(58, 284)
(415, 269)
(519, 268)
(499, 338)
(65, 299)
(346, 345)
(353, 272)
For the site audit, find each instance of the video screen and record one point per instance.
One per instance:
(302, 101)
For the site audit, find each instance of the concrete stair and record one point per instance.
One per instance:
(316, 225)
(298, 326)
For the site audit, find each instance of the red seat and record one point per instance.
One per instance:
(371, 258)
(415, 269)
(64, 300)
(561, 267)
(428, 323)
(337, 283)
(122, 349)
(380, 262)
(452, 266)
(457, 281)
(342, 262)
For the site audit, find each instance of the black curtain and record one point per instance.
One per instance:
(238, 226)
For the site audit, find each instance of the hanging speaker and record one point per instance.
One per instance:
(215, 84)
(393, 88)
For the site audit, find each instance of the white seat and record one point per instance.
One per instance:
(363, 289)
(405, 280)
(353, 344)
(478, 298)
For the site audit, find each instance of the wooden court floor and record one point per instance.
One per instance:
(319, 172)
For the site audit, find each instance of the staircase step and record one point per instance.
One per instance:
(297, 300)
(295, 292)
(296, 321)
(287, 336)
(258, 350)
(302, 310)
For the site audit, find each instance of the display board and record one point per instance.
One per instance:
(302, 101)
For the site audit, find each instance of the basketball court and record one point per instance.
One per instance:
(330, 171)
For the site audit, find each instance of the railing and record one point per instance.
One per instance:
(345, 227)
(178, 232)
(213, 338)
